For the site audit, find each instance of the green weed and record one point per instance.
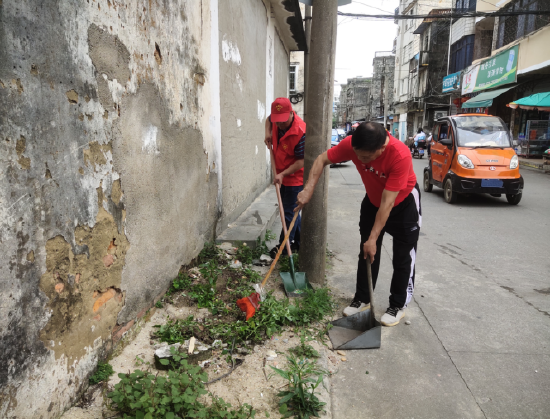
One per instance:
(246, 254)
(303, 350)
(303, 378)
(177, 394)
(284, 263)
(209, 251)
(176, 331)
(102, 373)
(180, 283)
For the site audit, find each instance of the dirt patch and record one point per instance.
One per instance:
(84, 293)
(21, 146)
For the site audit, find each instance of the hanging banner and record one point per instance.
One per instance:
(495, 71)
(451, 82)
(469, 80)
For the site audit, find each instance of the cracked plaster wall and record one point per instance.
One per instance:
(246, 98)
(108, 179)
(111, 122)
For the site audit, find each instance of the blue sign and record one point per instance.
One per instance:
(451, 82)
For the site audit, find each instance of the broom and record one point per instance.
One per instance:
(249, 304)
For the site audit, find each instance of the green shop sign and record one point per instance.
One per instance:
(495, 71)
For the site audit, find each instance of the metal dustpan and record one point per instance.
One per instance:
(360, 331)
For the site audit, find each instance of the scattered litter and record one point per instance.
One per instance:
(191, 347)
(205, 363)
(271, 353)
(256, 348)
(341, 353)
(407, 322)
(366, 372)
(266, 259)
(285, 340)
(270, 358)
(343, 359)
(236, 264)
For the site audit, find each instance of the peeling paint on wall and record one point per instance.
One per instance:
(82, 282)
(261, 111)
(230, 51)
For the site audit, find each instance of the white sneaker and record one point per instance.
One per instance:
(392, 316)
(355, 307)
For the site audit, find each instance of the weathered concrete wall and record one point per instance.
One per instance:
(112, 171)
(108, 181)
(282, 62)
(243, 102)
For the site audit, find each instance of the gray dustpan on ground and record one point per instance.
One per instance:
(360, 331)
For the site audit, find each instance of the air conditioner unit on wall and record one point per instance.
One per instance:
(440, 114)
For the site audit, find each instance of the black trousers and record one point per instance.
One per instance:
(403, 225)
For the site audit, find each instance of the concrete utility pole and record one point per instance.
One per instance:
(319, 93)
(306, 55)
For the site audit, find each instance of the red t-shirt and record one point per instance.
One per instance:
(393, 170)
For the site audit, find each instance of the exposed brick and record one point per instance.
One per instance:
(118, 331)
(108, 260)
(103, 298)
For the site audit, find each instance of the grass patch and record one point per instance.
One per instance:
(178, 394)
(269, 319)
(246, 254)
(102, 373)
(284, 263)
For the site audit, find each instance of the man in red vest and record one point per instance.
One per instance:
(391, 205)
(286, 131)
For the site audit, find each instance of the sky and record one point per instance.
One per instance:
(357, 40)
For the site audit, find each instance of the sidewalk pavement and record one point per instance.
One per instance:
(478, 345)
(538, 164)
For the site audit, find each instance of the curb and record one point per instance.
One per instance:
(542, 168)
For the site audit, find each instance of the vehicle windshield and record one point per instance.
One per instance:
(482, 131)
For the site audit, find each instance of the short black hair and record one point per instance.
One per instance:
(369, 136)
(420, 130)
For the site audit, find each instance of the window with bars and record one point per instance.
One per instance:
(462, 53)
(466, 5)
(511, 28)
(292, 78)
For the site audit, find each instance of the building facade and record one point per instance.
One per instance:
(381, 98)
(510, 60)
(409, 80)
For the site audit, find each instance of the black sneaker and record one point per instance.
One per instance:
(355, 307)
(273, 252)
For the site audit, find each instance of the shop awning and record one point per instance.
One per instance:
(540, 101)
(485, 99)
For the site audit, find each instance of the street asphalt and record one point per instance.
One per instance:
(478, 345)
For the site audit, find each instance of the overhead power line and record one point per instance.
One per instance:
(452, 15)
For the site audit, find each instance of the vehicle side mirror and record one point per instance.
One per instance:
(447, 142)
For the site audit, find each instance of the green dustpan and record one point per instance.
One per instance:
(295, 283)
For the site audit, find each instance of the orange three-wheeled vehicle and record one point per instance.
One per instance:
(472, 153)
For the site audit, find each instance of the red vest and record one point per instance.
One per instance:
(284, 150)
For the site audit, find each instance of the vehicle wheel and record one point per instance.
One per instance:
(450, 195)
(427, 185)
(513, 199)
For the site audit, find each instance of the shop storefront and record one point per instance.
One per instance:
(533, 124)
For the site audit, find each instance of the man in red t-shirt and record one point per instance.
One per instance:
(285, 131)
(392, 205)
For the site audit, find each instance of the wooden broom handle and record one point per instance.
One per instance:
(280, 249)
(279, 199)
